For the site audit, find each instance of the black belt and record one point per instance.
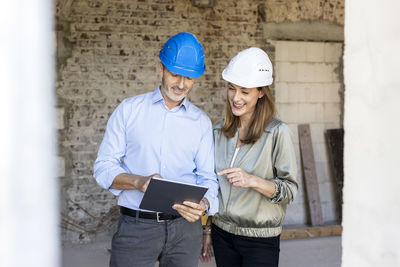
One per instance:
(149, 215)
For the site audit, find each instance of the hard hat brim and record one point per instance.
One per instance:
(235, 79)
(184, 72)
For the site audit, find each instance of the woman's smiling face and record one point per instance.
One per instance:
(243, 100)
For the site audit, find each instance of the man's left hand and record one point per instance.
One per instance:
(191, 211)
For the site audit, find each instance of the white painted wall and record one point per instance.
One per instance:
(28, 191)
(371, 218)
(307, 86)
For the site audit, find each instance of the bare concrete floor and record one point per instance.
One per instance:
(310, 252)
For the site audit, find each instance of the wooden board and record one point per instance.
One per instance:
(310, 174)
(307, 232)
(335, 144)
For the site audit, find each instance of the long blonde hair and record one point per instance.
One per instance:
(263, 114)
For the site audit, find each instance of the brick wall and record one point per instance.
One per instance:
(107, 51)
(278, 11)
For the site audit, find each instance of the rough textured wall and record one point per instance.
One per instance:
(113, 48)
(278, 11)
(107, 51)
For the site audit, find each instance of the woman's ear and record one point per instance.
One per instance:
(261, 93)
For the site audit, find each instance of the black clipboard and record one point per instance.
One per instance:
(162, 194)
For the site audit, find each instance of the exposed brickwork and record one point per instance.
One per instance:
(294, 11)
(107, 51)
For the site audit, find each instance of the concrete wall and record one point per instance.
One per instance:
(308, 88)
(107, 51)
(371, 215)
(29, 228)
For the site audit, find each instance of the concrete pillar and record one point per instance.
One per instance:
(28, 191)
(371, 216)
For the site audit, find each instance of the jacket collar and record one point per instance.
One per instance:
(272, 125)
(268, 129)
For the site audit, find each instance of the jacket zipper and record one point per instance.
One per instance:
(230, 191)
(229, 198)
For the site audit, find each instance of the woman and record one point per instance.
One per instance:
(256, 166)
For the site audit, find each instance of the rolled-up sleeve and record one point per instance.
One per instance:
(285, 167)
(112, 149)
(204, 161)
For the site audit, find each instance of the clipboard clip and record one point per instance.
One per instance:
(158, 217)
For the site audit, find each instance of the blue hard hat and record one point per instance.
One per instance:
(183, 54)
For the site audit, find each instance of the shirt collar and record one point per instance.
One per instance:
(157, 96)
(185, 103)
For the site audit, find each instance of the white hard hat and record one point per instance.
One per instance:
(249, 68)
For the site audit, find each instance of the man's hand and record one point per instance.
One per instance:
(126, 181)
(142, 183)
(190, 211)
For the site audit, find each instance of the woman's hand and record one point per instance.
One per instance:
(206, 248)
(238, 177)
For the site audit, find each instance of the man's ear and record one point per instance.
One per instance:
(161, 67)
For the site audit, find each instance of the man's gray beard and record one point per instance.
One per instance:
(173, 98)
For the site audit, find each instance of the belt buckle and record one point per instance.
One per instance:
(158, 217)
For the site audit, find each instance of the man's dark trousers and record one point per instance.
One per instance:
(141, 242)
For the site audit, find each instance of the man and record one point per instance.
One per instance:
(160, 134)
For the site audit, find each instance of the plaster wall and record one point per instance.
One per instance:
(371, 163)
(29, 229)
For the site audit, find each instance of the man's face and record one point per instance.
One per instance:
(174, 87)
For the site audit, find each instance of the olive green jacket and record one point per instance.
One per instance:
(245, 211)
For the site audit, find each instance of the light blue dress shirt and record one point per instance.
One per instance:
(144, 137)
